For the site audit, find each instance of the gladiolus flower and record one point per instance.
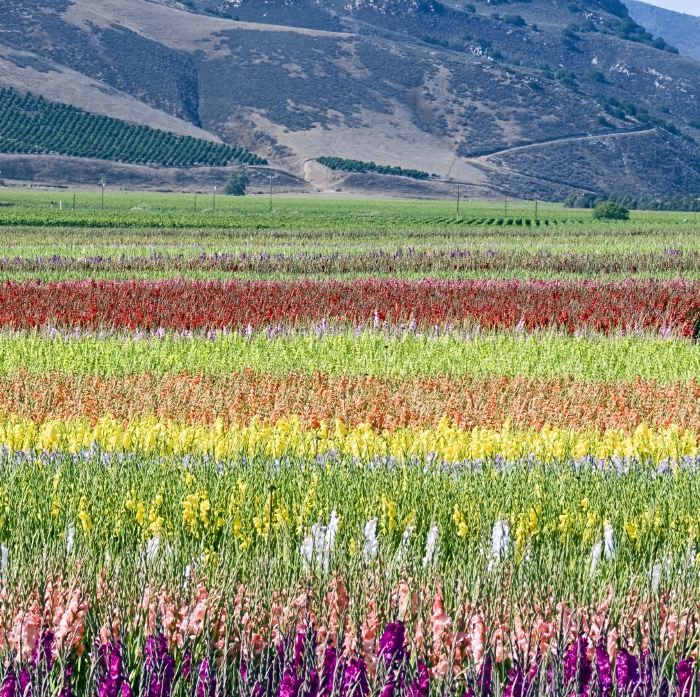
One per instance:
(290, 685)
(420, 687)
(577, 668)
(355, 682)
(391, 645)
(160, 666)
(684, 677)
(515, 687)
(604, 670)
(626, 671)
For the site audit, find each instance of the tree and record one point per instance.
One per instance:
(609, 210)
(237, 183)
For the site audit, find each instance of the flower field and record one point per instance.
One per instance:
(317, 462)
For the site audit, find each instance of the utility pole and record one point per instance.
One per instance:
(270, 193)
(74, 200)
(536, 201)
(213, 203)
(459, 196)
(506, 206)
(195, 203)
(102, 184)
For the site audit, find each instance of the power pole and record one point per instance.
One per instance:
(459, 195)
(270, 193)
(74, 200)
(102, 183)
(506, 206)
(195, 203)
(213, 203)
(536, 207)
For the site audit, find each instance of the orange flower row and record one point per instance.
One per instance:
(385, 403)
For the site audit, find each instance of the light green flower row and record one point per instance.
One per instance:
(540, 355)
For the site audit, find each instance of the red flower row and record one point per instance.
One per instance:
(568, 305)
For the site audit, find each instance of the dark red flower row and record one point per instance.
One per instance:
(568, 305)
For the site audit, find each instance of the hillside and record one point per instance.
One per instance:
(677, 28)
(529, 98)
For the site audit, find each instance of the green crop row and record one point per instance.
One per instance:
(533, 355)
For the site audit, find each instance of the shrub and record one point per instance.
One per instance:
(609, 210)
(237, 183)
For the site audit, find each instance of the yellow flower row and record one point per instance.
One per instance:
(446, 442)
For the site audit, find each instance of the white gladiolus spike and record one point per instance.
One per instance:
(307, 551)
(371, 547)
(316, 548)
(331, 532)
(70, 538)
(609, 539)
(500, 542)
(152, 547)
(500, 538)
(656, 577)
(431, 546)
(405, 542)
(4, 559)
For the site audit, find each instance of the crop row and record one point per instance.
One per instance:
(288, 437)
(369, 220)
(402, 261)
(389, 403)
(671, 307)
(547, 514)
(360, 354)
(288, 651)
(204, 657)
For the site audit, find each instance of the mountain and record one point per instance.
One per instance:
(525, 97)
(681, 30)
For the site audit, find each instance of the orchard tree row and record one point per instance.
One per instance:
(33, 125)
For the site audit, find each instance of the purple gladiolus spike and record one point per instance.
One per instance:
(647, 677)
(298, 650)
(243, 671)
(206, 683)
(602, 663)
(391, 645)
(355, 682)
(313, 684)
(160, 666)
(25, 683)
(515, 687)
(43, 651)
(112, 680)
(684, 676)
(389, 688)
(290, 685)
(626, 671)
(469, 693)
(330, 661)
(420, 687)
(9, 684)
(186, 669)
(483, 688)
(258, 690)
(577, 668)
